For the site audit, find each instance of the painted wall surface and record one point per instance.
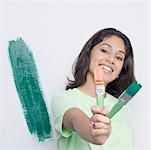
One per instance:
(56, 32)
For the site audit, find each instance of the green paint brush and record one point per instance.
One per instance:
(125, 97)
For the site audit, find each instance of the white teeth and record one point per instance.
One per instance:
(109, 69)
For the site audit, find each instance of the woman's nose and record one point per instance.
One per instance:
(111, 59)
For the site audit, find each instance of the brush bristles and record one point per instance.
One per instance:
(133, 88)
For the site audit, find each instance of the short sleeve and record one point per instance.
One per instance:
(60, 103)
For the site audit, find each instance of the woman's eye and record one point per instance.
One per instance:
(104, 51)
(119, 58)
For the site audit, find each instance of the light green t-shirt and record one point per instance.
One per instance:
(121, 137)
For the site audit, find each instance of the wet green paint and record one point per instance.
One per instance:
(29, 91)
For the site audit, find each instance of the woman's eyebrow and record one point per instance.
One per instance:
(122, 52)
(112, 47)
(106, 44)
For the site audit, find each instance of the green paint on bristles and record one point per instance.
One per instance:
(133, 88)
(29, 91)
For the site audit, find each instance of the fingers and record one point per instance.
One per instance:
(106, 109)
(100, 129)
(98, 110)
(100, 118)
(100, 125)
(98, 132)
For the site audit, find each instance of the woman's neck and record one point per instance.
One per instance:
(88, 87)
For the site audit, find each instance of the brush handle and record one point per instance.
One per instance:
(100, 100)
(115, 108)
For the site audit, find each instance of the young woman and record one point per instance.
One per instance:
(79, 123)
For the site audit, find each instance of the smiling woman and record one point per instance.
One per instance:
(77, 119)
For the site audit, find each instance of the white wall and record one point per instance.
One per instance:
(56, 32)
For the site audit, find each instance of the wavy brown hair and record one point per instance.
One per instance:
(81, 65)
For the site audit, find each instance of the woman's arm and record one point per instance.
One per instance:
(94, 130)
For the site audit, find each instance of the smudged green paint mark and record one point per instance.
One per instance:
(29, 91)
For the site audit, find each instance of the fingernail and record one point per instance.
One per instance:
(93, 125)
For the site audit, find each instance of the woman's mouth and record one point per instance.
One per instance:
(107, 68)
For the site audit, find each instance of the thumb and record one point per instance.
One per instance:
(106, 109)
(96, 109)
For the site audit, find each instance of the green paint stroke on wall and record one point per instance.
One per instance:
(29, 91)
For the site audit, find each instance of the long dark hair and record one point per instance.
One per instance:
(81, 65)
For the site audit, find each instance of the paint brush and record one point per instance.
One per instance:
(28, 88)
(99, 86)
(125, 97)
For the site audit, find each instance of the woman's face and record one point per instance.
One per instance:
(109, 55)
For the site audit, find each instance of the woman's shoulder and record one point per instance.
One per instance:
(64, 95)
(63, 99)
(59, 93)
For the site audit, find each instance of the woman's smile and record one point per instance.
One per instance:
(106, 68)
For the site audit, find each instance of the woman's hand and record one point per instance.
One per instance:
(95, 130)
(100, 125)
